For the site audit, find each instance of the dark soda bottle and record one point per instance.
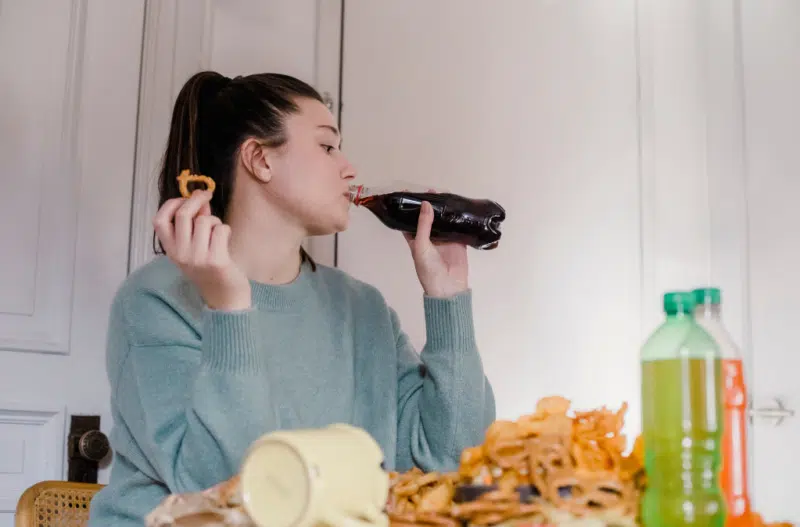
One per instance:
(472, 222)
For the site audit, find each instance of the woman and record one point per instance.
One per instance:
(236, 332)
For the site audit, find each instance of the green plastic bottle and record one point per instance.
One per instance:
(682, 419)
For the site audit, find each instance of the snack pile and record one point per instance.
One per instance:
(546, 467)
(556, 466)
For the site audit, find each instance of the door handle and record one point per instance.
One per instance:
(93, 445)
(778, 412)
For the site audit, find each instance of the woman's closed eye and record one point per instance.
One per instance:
(329, 148)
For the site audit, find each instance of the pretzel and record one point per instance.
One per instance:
(186, 177)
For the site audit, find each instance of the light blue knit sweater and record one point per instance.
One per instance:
(192, 387)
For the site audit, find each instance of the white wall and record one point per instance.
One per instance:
(505, 102)
(594, 126)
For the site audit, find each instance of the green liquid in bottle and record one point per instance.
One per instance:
(682, 416)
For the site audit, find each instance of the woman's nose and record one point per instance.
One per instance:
(349, 171)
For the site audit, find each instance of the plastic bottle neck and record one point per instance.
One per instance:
(709, 312)
(359, 192)
(356, 193)
(679, 316)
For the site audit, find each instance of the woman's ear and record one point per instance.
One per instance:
(255, 159)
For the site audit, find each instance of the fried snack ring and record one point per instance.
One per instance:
(511, 479)
(470, 509)
(553, 405)
(401, 506)
(555, 424)
(230, 492)
(599, 424)
(508, 454)
(549, 454)
(185, 178)
(517, 510)
(489, 518)
(590, 455)
(472, 463)
(437, 498)
(497, 496)
(490, 511)
(411, 486)
(405, 484)
(417, 519)
(590, 493)
(501, 430)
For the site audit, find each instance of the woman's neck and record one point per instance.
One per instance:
(267, 248)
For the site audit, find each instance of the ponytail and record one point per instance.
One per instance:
(212, 116)
(194, 99)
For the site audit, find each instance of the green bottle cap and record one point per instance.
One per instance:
(707, 295)
(678, 302)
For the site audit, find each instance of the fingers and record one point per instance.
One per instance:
(184, 223)
(201, 237)
(162, 223)
(424, 224)
(184, 227)
(218, 247)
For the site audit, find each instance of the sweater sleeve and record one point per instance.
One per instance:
(191, 405)
(445, 402)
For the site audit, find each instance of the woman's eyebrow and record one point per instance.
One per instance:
(331, 128)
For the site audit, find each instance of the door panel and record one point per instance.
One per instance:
(40, 201)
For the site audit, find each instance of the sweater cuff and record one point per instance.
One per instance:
(229, 342)
(448, 322)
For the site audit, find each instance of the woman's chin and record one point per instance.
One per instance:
(331, 228)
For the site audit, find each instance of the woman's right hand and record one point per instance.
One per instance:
(198, 244)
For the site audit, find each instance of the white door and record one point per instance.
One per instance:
(69, 76)
(233, 37)
(771, 45)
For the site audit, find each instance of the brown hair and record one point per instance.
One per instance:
(212, 117)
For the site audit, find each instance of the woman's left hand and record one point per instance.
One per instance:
(441, 267)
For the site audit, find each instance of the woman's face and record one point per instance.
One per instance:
(310, 176)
